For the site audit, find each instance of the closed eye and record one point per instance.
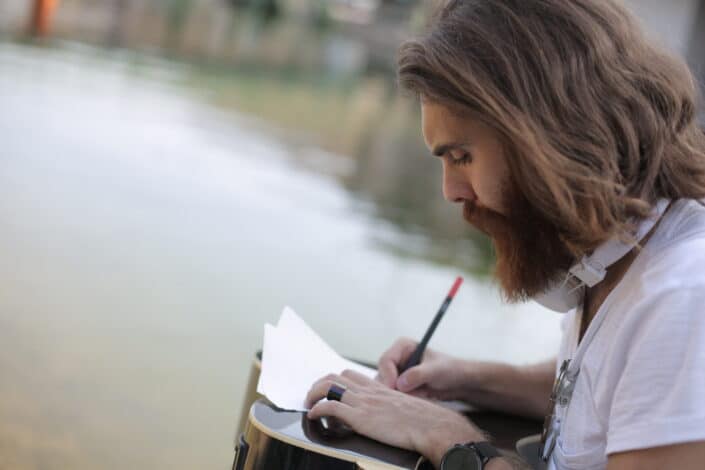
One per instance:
(459, 158)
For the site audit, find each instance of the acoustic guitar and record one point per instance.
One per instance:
(272, 439)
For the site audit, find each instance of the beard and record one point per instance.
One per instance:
(529, 251)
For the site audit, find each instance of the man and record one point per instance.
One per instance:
(571, 141)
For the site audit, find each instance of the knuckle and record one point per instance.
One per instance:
(333, 407)
(323, 407)
(316, 411)
(320, 407)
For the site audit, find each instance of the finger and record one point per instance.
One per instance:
(312, 395)
(332, 378)
(387, 373)
(356, 377)
(332, 408)
(413, 378)
(349, 397)
(392, 359)
(421, 392)
(319, 390)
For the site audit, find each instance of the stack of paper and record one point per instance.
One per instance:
(293, 358)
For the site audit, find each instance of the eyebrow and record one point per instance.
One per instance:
(440, 150)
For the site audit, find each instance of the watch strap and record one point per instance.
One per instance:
(484, 450)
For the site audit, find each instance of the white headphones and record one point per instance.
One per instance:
(567, 294)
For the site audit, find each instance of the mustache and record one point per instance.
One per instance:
(485, 220)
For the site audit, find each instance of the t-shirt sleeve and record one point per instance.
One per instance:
(659, 398)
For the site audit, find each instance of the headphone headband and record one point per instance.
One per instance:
(592, 269)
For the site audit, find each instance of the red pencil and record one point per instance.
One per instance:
(415, 358)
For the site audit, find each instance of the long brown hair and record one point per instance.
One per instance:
(598, 122)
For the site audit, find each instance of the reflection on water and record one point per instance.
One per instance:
(370, 141)
(147, 236)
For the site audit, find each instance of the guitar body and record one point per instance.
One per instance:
(285, 440)
(272, 439)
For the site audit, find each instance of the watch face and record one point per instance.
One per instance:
(461, 458)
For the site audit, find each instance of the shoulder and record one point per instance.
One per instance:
(644, 373)
(679, 233)
(657, 384)
(664, 301)
(659, 306)
(674, 260)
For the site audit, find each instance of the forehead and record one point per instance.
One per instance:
(441, 125)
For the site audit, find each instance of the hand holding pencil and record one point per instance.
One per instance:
(410, 366)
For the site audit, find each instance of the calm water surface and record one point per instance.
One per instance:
(146, 237)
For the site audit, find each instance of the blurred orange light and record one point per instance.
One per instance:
(42, 15)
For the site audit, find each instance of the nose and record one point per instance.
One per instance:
(456, 185)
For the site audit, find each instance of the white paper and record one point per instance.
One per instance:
(293, 358)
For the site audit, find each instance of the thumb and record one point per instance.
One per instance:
(412, 379)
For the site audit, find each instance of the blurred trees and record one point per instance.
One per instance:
(696, 52)
(267, 10)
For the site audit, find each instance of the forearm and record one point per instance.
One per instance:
(434, 441)
(520, 390)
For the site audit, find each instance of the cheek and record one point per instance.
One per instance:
(488, 187)
(491, 173)
(487, 196)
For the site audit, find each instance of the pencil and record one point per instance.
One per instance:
(415, 358)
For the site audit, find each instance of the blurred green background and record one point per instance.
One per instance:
(174, 172)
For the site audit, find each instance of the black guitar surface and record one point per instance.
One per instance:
(290, 441)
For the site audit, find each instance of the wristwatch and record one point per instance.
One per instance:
(470, 456)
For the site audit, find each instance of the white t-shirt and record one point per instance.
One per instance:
(642, 379)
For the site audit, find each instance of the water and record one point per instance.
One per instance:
(145, 239)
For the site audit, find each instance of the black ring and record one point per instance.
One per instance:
(335, 392)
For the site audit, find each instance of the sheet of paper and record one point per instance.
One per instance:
(293, 358)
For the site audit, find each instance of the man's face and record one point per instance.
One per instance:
(529, 251)
(474, 166)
